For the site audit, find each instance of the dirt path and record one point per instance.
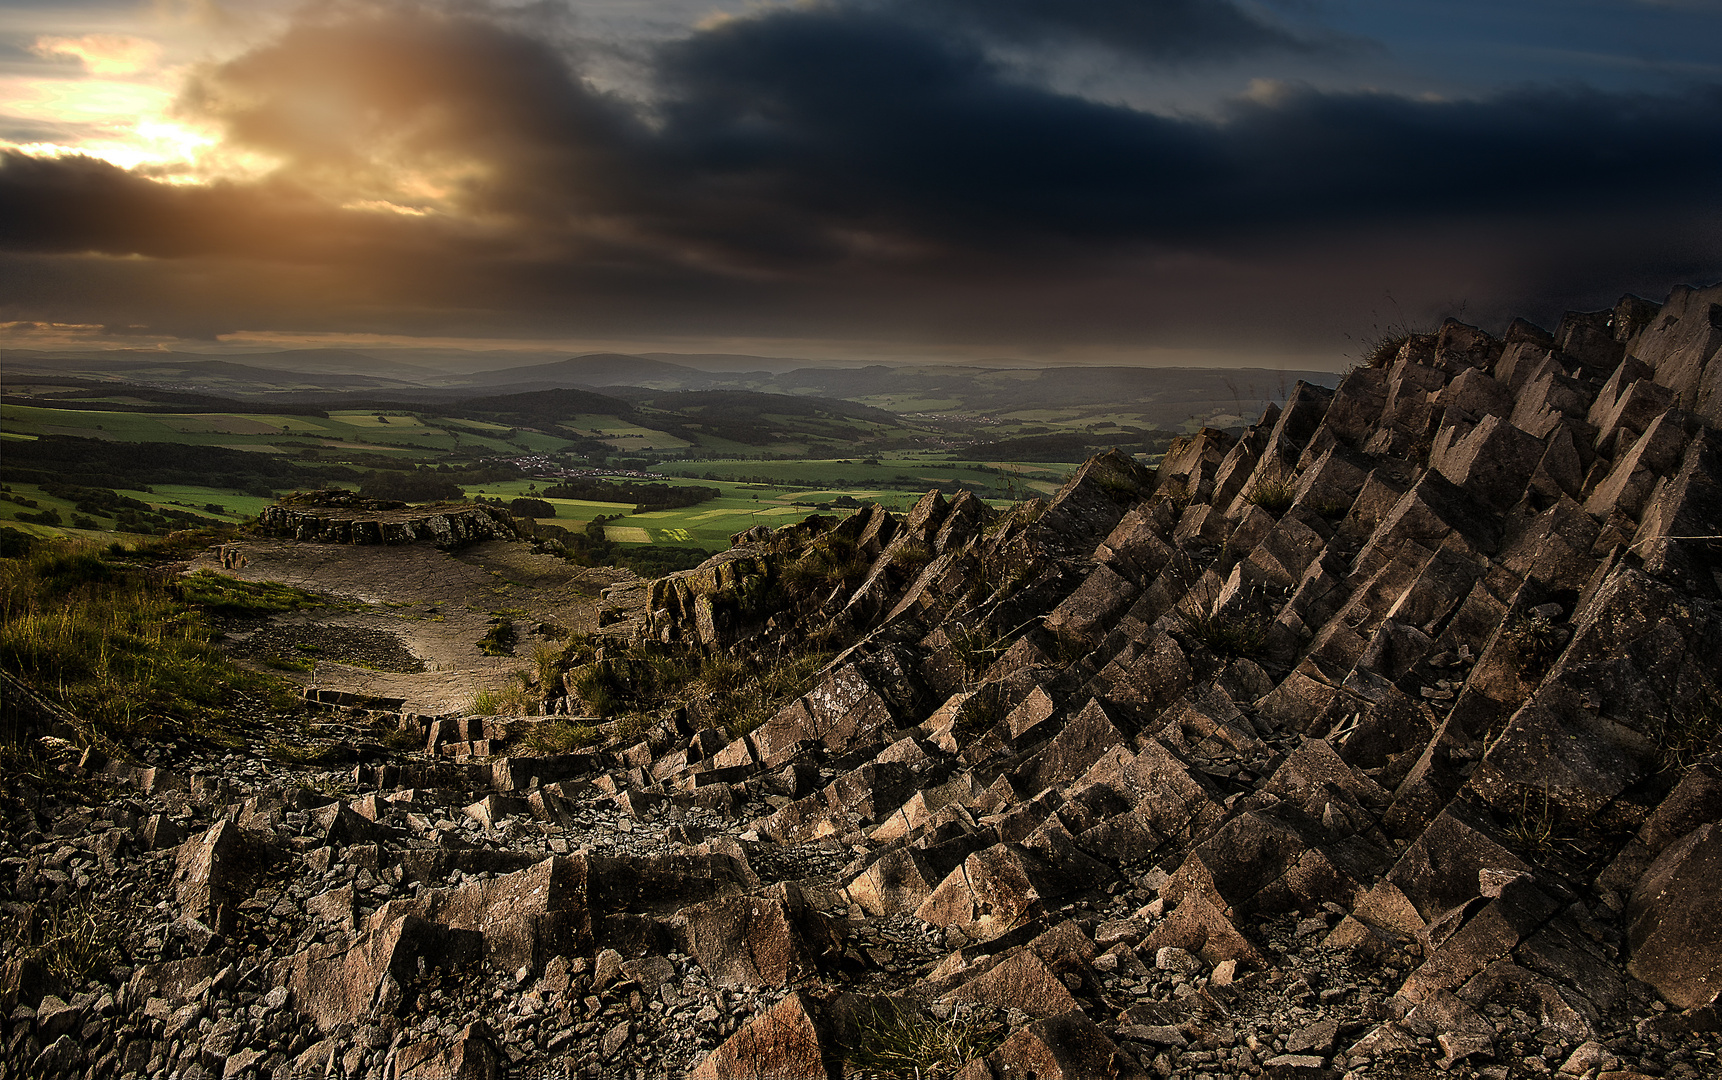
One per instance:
(407, 606)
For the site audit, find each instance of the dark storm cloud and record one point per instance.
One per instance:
(838, 165)
(873, 120)
(1166, 30)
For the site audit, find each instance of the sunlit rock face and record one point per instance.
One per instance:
(1377, 739)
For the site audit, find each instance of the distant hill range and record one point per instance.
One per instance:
(347, 378)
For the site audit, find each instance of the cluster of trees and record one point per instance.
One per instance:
(418, 485)
(97, 463)
(645, 496)
(1069, 446)
(532, 508)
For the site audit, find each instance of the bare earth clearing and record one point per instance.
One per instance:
(436, 603)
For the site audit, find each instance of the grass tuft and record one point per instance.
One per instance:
(894, 1040)
(559, 737)
(68, 939)
(500, 639)
(1274, 496)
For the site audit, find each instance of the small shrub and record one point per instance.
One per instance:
(532, 508)
(1274, 496)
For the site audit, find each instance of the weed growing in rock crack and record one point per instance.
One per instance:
(547, 661)
(893, 1040)
(67, 939)
(515, 699)
(1535, 642)
(1174, 492)
(911, 556)
(1274, 496)
(630, 728)
(1068, 648)
(768, 687)
(1534, 826)
(402, 739)
(978, 715)
(1222, 634)
(830, 562)
(484, 703)
(1688, 736)
(975, 648)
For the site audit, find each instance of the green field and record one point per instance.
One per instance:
(841, 473)
(744, 505)
(621, 434)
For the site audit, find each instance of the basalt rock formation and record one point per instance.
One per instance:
(339, 517)
(1378, 741)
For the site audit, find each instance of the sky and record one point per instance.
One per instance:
(1236, 182)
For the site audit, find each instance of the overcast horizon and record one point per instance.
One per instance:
(1156, 182)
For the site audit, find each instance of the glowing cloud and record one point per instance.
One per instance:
(103, 54)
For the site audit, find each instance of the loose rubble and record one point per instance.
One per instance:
(1380, 741)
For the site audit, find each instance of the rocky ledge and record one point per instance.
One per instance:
(1378, 742)
(337, 517)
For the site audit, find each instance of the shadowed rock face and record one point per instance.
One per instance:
(1380, 739)
(340, 518)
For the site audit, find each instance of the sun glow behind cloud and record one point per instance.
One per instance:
(119, 101)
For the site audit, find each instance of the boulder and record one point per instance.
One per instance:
(745, 941)
(1066, 1047)
(792, 1040)
(215, 872)
(1674, 929)
(335, 984)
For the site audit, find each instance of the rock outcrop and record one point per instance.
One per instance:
(339, 517)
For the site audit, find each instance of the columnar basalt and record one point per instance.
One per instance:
(340, 518)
